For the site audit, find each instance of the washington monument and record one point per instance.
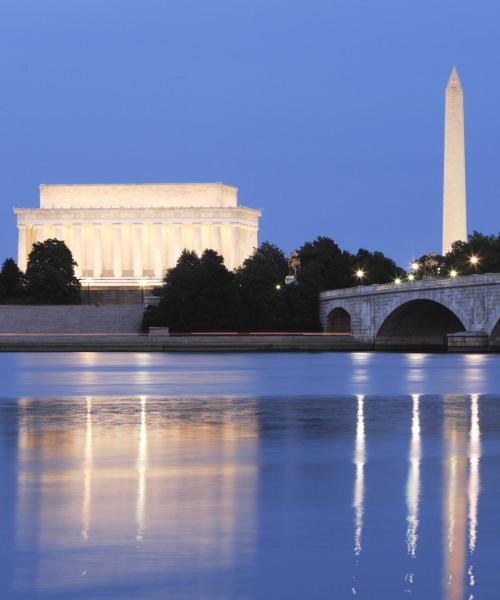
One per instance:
(454, 208)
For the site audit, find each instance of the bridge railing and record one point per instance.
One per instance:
(405, 286)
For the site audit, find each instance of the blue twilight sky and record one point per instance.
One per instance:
(327, 114)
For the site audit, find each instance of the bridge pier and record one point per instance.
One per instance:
(468, 341)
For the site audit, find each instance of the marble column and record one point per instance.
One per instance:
(235, 246)
(228, 249)
(22, 258)
(169, 247)
(187, 237)
(77, 249)
(206, 237)
(176, 244)
(217, 238)
(117, 250)
(158, 250)
(197, 245)
(38, 233)
(58, 232)
(137, 249)
(97, 250)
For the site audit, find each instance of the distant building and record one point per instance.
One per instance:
(129, 234)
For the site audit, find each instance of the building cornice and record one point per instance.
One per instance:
(149, 215)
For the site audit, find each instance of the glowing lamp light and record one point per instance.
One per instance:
(397, 281)
(411, 277)
(474, 260)
(360, 273)
(415, 265)
(453, 273)
(278, 286)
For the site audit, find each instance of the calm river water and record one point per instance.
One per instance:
(241, 476)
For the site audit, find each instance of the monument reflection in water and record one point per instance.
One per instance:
(241, 497)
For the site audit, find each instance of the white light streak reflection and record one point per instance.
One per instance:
(142, 465)
(359, 484)
(474, 487)
(413, 483)
(87, 473)
(361, 362)
(474, 480)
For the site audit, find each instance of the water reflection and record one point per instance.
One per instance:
(251, 497)
(142, 465)
(77, 457)
(87, 473)
(413, 483)
(474, 485)
(300, 374)
(359, 483)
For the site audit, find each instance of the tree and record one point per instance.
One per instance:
(377, 267)
(303, 298)
(197, 295)
(332, 265)
(50, 274)
(479, 254)
(217, 300)
(202, 295)
(260, 282)
(12, 280)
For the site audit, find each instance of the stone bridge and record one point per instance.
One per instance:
(458, 313)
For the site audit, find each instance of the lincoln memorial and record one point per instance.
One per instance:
(129, 234)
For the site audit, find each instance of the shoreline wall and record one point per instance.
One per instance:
(67, 319)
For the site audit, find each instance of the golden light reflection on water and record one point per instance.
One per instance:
(123, 474)
(142, 465)
(461, 497)
(87, 473)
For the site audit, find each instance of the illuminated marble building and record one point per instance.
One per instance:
(129, 234)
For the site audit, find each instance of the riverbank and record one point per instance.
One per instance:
(177, 343)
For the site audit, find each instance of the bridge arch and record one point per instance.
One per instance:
(495, 330)
(338, 320)
(418, 322)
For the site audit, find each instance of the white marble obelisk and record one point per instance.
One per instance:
(454, 205)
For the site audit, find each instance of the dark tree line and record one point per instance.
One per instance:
(49, 278)
(479, 254)
(201, 294)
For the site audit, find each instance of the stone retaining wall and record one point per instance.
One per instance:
(70, 319)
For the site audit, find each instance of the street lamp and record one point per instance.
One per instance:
(453, 273)
(474, 260)
(360, 274)
(415, 265)
(411, 277)
(278, 286)
(397, 281)
(142, 283)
